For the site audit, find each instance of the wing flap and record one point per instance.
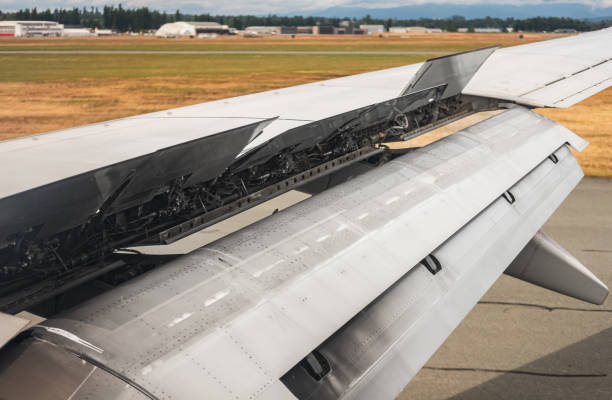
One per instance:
(376, 353)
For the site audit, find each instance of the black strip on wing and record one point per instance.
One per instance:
(70, 202)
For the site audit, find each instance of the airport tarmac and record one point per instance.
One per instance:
(525, 342)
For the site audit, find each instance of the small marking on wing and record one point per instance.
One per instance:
(180, 319)
(216, 297)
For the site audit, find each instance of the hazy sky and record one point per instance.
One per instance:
(264, 6)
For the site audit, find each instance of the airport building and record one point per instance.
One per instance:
(30, 29)
(373, 28)
(487, 30)
(262, 30)
(77, 32)
(413, 29)
(192, 29)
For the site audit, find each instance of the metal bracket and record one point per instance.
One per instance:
(316, 365)
(553, 158)
(206, 219)
(509, 197)
(432, 264)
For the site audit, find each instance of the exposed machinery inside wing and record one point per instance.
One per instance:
(164, 196)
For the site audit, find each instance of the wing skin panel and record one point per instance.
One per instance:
(560, 93)
(312, 101)
(266, 289)
(547, 74)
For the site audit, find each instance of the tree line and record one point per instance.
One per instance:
(143, 19)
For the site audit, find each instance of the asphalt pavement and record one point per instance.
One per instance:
(525, 342)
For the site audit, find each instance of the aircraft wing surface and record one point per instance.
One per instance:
(344, 295)
(554, 73)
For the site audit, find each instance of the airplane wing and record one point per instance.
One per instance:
(556, 73)
(344, 295)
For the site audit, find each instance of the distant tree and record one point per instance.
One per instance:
(139, 19)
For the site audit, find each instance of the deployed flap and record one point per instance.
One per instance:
(545, 263)
(454, 71)
(375, 354)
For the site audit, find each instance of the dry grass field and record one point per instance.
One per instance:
(451, 42)
(44, 92)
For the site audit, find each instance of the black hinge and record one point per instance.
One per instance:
(432, 264)
(316, 365)
(553, 157)
(509, 197)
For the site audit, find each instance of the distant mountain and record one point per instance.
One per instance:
(597, 19)
(571, 10)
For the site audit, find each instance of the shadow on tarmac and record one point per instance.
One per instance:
(580, 371)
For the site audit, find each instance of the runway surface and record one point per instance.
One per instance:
(273, 52)
(525, 342)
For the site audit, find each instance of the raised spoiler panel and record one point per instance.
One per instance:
(455, 70)
(236, 315)
(70, 202)
(552, 73)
